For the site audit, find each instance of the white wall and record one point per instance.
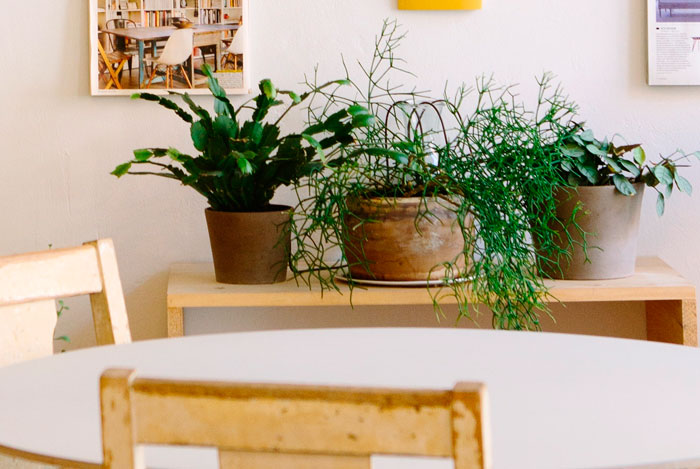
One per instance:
(58, 144)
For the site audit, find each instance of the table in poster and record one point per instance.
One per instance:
(555, 400)
(204, 35)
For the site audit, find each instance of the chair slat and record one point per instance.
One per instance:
(58, 273)
(259, 426)
(241, 460)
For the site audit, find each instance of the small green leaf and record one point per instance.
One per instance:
(244, 165)
(363, 120)
(596, 150)
(200, 136)
(342, 82)
(639, 155)
(142, 154)
(268, 89)
(587, 136)
(623, 185)
(590, 172)
(357, 110)
(631, 167)
(63, 338)
(684, 185)
(121, 170)
(660, 205)
(136, 96)
(612, 164)
(572, 151)
(663, 174)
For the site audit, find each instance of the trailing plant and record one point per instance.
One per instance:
(243, 160)
(588, 161)
(474, 163)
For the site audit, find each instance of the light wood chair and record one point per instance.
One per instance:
(111, 63)
(31, 283)
(263, 426)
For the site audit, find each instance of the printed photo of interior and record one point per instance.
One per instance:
(678, 11)
(163, 44)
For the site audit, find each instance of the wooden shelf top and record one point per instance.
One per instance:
(193, 285)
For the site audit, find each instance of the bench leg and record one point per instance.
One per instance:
(176, 322)
(672, 321)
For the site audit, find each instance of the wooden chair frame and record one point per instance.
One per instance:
(119, 61)
(263, 426)
(30, 284)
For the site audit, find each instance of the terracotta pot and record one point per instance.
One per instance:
(392, 245)
(250, 247)
(612, 223)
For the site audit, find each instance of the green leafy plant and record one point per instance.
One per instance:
(243, 161)
(587, 161)
(475, 163)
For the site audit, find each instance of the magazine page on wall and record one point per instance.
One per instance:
(162, 45)
(674, 42)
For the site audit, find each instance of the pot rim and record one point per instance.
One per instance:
(392, 201)
(607, 187)
(273, 209)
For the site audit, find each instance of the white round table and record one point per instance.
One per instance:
(556, 401)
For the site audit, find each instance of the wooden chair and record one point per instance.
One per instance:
(120, 44)
(112, 64)
(31, 283)
(262, 426)
(235, 50)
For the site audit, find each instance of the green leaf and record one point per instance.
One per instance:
(616, 168)
(226, 126)
(587, 136)
(589, 172)
(344, 82)
(684, 185)
(200, 136)
(268, 89)
(121, 170)
(572, 151)
(63, 338)
(639, 155)
(631, 167)
(663, 174)
(363, 120)
(244, 165)
(667, 190)
(357, 110)
(660, 205)
(596, 150)
(142, 154)
(296, 99)
(623, 185)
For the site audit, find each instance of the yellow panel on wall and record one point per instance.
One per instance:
(439, 4)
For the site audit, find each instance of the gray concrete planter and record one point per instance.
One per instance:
(612, 221)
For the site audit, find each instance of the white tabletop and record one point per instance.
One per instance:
(557, 401)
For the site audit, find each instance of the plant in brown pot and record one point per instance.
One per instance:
(598, 205)
(243, 160)
(431, 193)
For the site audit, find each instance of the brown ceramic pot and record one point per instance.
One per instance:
(612, 223)
(250, 247)
(392, 245)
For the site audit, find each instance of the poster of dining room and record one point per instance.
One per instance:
(162, 45)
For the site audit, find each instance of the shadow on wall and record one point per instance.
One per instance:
(626, 320)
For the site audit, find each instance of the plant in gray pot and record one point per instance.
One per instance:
(600, 209)
(241, 164)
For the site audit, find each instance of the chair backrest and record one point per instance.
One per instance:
(263, 426)
(239, 41)
(178, 48)
(31, 283)
(118, 43)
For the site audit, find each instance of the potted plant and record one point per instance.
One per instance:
(241, 163)
(599, 206)
(439, 203)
